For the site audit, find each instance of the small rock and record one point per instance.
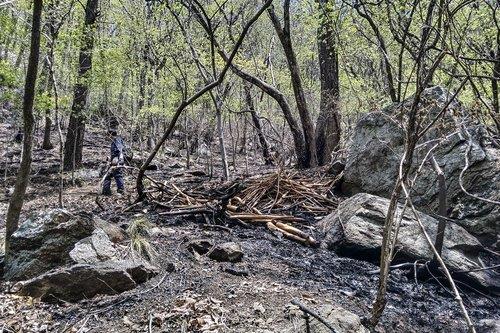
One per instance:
(176, 165)
(226, 252)
(115, 233)
(258, 308)
(340, 319)
(200, 246)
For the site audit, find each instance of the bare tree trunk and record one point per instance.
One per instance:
(22, 179)
(76, 129)
(283, 33)
(386, 64)
(412, 136)
(220, 132)
(328, 124)
(298, 138)
(258, 126)
(47, 144)
(494, 84)
(185, 103)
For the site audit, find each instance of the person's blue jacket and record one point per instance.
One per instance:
(117, 148)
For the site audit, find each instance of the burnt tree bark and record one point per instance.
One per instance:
(22, 178)
(284, 36)
(494, 83)
(76, 129)
(328, 129)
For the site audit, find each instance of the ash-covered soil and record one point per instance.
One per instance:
(194, 293)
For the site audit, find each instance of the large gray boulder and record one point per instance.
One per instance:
(59, 255)
(82, 281)
(355, 230)
(377, 145)
(43, 242)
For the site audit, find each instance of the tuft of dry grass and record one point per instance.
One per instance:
(139, 233)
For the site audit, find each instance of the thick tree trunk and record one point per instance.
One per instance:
(258, 126)
(328, 124)
(17, 199)
(76, 128)
(298, 90)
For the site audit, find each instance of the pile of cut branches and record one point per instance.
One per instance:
(281, 200)
(285, 191)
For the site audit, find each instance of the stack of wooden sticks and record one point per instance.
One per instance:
(280, 201)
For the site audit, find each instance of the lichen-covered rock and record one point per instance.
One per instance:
(43, 242)
(82, 281)
(355, 230)
(59, 255)
(488, 326)
(376, 148)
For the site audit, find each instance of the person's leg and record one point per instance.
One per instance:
(118, 174)
(106, 185)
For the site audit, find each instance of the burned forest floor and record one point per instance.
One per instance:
(193, 293)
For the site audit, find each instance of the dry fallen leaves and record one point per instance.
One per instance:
(202, 314)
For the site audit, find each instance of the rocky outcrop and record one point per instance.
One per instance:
(355, 230)
(377, 145)
(59, 255)
(83, 281)
(43, 242)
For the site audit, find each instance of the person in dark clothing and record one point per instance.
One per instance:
(117, 160)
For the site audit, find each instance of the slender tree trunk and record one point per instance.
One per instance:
(328, 128)
(386, 64)
(494, 85)
(300, 99)
(258, 126)
(22, 179)
(222, 144)
(76, 129)
(297, 135)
